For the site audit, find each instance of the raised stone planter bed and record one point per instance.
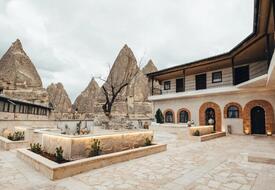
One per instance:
(212, 136)
(263, 158)
(7, 144)
(76, 147)
(56, 171)
(203, 130)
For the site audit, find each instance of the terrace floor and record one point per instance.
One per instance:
(187, 164)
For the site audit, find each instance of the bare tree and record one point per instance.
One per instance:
(112, 87)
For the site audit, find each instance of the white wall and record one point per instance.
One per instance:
(193, 104)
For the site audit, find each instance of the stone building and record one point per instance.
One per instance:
(234, 90)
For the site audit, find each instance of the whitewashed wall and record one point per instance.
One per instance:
(194, 104)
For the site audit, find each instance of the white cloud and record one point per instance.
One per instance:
(69, 41)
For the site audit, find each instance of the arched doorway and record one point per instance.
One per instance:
(258, 120)
(211, 109)
(268, 116)
(210, 118)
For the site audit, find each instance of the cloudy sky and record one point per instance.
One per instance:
(70, 41)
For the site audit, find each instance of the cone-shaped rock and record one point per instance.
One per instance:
(59, 98)
(149, 67)
(19, 78)
(132, 100)
(124, 67)
(85, 102)
(17, 69)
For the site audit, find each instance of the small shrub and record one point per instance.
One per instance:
(95, 148)
(197, 133)
(36, 148)
(159, 117)
(17, 136)
(10, 136)
(59, 154)
(148, 141)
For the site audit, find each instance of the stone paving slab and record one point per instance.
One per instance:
(217, 164)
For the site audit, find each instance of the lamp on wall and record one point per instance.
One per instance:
(269, 133)
(246, 131)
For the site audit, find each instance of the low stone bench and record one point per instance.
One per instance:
(212, 136)
(7, 144)
(263, 158)
(204, 130)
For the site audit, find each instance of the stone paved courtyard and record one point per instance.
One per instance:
(187, 164)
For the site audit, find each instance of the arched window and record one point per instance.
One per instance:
(169, 117)
(183, 117)
(233, 112)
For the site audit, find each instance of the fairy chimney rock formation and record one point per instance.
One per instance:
(124, 67)
(19, 77)
(85, 102)
(132, 100)
(59, 98)
(149, 68)
(17, 68)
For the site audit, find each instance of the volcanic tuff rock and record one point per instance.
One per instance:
(132, 100)
(17, 68)
(18, 76)
(84, 103)
(59, 98)
(149, 67)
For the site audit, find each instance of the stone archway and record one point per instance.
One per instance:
(216, 108)
(173, 116)
(186, 110)
(269, 115)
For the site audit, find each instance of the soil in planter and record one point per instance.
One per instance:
(52, 157)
